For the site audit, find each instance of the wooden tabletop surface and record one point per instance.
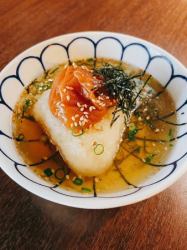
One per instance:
(29, 222)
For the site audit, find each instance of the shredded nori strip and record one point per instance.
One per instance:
(121, 87)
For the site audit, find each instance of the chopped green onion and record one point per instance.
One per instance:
(48, 172)
(86, 190)
(138, 149)
(20, 137)
(170, 134)
(132, 132)
(26, 105)
(78, 181)
(78, 133)
(99, 149)
(90, 60)
(149, 158)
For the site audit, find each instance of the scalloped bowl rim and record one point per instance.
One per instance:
(102, 202)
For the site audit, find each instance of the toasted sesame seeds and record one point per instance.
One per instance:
(75, 124)
(78, 104)
(91, 108)
(82, 109)
(69, 88)
(68, 98)
(157, 130)
(145, 110)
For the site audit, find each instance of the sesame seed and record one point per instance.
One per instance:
(82, 109)
(145, 110)
(85, 113)
(148, 118)
(77, 115)
(73, 118)
(67, 176)
(70, 88)
(68, 98)
(139, 118)
(64, 90)
(75, 124)
(157, 130)
(91, 108)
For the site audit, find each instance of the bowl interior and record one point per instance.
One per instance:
(32, 63)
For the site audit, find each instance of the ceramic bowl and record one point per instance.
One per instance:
(145, 55)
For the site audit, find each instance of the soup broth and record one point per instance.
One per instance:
(146, 141)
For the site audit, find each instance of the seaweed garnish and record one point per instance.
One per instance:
(121, 87)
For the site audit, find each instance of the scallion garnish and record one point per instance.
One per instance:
(170, 134)
(78, 181)
(20, 137)
(149, 158)
(26, 105)
(86, 190)
(98, 149)
(77, 133)
(48, 172)
(133, 130)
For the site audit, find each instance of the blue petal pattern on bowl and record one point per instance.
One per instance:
(65, 52)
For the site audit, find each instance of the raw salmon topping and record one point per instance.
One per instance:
(77, 98)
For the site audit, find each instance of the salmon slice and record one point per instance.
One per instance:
(74, 101)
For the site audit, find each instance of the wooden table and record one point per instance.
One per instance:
(29, 222)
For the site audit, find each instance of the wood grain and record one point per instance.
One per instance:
(29, 222)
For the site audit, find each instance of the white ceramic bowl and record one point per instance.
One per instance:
(32, 62)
